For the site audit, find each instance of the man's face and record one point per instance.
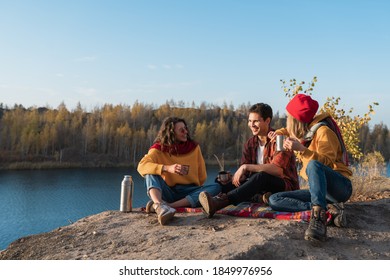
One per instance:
(257, 125)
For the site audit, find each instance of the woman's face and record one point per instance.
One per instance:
(181, 132)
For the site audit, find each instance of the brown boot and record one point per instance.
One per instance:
(337, 212)
(212, 204)
(265, 198)
(317, 225)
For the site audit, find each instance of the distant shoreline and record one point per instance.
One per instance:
(25, 165)
(28, 165)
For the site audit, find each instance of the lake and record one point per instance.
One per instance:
(36, 201)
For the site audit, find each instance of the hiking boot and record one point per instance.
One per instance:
(317, 225)
(257, 198)
(164, 212)
(212, 204)
(266, 198)
(149, 207)
(261, 198)
(337, 212)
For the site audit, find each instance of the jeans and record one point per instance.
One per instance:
(325, 185)
(172, 194)
(260, 182)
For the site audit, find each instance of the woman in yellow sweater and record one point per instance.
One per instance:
(324, 165)
(174, 170)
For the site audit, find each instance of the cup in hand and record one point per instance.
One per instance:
(223, 176)
(184, 169)
(279, 143)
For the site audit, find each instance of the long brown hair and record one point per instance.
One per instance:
(166, 134)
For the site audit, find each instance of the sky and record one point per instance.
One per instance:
(96, 52)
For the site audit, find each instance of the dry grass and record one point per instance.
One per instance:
(369, 188)
(370, 181)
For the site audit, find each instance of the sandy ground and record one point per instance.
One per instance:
(137, 235)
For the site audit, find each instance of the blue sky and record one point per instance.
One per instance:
(97, 52)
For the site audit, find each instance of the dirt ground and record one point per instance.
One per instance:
(114, 235)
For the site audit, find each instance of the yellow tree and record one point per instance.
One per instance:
(201, 133)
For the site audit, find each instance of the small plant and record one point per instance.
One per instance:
(369, 177)
(374, 164)
(221, 162)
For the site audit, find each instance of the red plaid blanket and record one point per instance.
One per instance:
(254, 210)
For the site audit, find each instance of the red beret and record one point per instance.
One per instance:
(302, 107)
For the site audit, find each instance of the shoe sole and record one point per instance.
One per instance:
(163, 219)
(315, 238)
(203, 200)
(340, 220)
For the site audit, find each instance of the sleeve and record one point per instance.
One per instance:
(149, 164)
(201, 167)
(282, 131)
(282, 159)
(246, 157)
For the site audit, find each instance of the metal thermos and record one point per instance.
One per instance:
(279, 143)
(127, 194)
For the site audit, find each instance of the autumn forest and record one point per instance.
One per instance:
(114, 135)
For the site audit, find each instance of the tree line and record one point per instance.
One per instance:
(114, 134)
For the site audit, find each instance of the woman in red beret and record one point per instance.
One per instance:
(317, 142)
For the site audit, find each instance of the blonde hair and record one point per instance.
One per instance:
(296, 128)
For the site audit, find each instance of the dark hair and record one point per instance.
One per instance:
(264, 110)
(166, 134)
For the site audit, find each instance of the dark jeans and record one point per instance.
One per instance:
(260, 182)
(325, 185)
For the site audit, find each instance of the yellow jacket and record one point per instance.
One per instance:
(325, 148)
(154, 160)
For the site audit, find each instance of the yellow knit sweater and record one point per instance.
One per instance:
(154, 160)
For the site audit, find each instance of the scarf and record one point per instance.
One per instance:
(177, 148)
(331, 123)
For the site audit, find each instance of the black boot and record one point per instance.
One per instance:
(317, 225)
(212, 204)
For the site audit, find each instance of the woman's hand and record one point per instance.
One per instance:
(293, 144)
(176, 168)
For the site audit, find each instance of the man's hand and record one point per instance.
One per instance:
(239, 176)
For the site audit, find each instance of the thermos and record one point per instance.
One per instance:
(127, 190)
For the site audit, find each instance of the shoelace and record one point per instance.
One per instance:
(317, 223)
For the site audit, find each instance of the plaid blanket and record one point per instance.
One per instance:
(254, 210)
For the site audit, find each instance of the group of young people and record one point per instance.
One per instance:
(175, 171)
